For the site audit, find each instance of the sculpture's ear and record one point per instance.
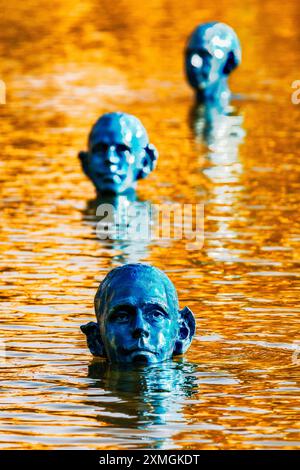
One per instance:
(233, 60)
(148, 162)
(93, 338)
(187, 327)
(83, 157)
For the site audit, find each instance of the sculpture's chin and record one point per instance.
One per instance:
(104, 190)
(110, 188)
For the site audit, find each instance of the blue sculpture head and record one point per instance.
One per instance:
(138, 317)
(212, 53)
(119, 153)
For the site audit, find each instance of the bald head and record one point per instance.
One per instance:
(216, 38)
(119, 128)
(134, 277)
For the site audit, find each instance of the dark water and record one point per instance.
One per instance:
(238, 386)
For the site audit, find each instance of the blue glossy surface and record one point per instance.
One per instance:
(138, 317)
(212, 53)
(119, 153)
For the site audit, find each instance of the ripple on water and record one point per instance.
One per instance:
(238, 385)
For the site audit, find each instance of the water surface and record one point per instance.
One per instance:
(238, 386)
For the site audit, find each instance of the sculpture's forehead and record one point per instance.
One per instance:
(147, 288)
(211, 37)
(119, 128)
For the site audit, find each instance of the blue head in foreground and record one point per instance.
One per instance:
(138, 317)
(119, 153)
(212, 53)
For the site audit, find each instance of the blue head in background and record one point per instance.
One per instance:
(138, 317)
(212, 53)
(119, 153)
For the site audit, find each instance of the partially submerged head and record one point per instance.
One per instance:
(212, 53)
(138, 317)
(119, 153)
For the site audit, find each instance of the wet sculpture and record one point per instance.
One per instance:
(119, 154)
(212, 53)
(138, 317)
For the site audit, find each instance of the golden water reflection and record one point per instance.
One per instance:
(238, 386)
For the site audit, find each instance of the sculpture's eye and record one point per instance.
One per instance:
(156, 315)
(100, 147)
(120, 316)
(122, 148)
(196, 61)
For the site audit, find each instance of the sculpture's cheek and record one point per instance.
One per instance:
(111, 339)
(163, 341)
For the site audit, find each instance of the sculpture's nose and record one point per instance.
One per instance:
(140, 328)
(111, 157)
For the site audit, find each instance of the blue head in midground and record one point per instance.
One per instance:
(138, 317)
(212, 53)
(119, 153)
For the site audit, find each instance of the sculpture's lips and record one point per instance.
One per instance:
(115, 179)
(138, 350)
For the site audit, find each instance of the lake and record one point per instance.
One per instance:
(238, 385)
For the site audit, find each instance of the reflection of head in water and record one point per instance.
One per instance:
(220, 133)
(119, 153)
(144, 396)
(138, 317)
(218, 129)
(212, 53)
(122, 223)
